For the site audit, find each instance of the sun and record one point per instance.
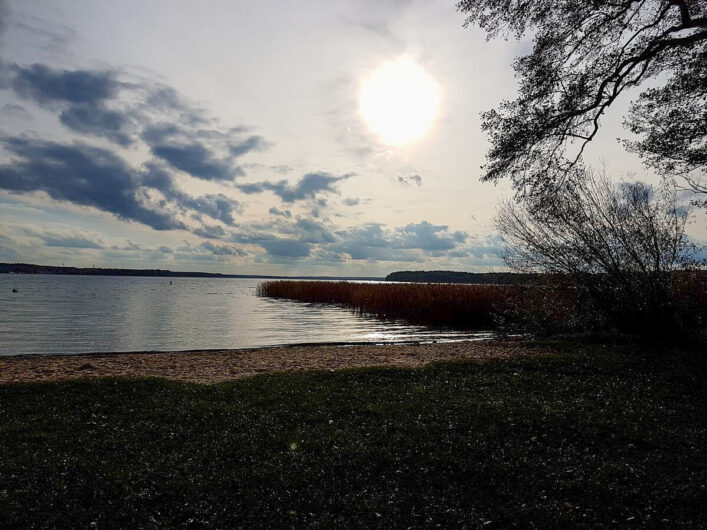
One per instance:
(399, 101)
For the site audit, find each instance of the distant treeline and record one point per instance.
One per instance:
(28, 268)
(496, 278)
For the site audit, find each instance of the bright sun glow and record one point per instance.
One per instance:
(399, 101)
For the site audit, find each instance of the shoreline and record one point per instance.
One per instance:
(413, 342)
(216, 366)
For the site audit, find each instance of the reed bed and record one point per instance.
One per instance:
(553, 305)
(439, 305)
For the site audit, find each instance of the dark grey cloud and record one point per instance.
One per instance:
(405, 243)
(97, 120)
(70, 241)
(311, 231)
(306, 188)
(195, 150)
(83, 95)
(370, 242)
(158, 133)
(165, 99)
(409, 180)
(165, 249)
(80, 174)
(252, 143)
(251, 188)
(99, 103)
(488, 247)
(284, 237)
(351, 201)
(216, 205)
(197, 161)
(91, 176)
(426, 236)
(44, 84)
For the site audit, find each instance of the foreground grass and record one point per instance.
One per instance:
(591, 437)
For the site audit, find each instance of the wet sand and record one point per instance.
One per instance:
(215, 366)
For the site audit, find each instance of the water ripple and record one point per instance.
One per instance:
(81, 314)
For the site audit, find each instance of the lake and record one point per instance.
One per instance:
(57, 314)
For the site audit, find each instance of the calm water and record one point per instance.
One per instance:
(81, 314)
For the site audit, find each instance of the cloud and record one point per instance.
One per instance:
(99, 103)
(426, 236)
(223, 250)
(281, 213)
(286, 248)
(351, 201)
(70, 241)
(306, 188)
(130, 245)
(299, 236)
(311, 231)
(4, 11)
(197, 161)
(491, 246)
(45, 85)
(370, 242)
(15, 111)
(209, 231)
(194, 151)
(252, 143)
(407, 243)
(45, 35)
(92, 176)
(83, 95)
(80, 174)
(215, 205)
(283, 168)
(412, 179)
(97, 120)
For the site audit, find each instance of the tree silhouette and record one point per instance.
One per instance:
(585, 55)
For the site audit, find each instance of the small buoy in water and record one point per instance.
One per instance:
(170, 282)
(15, 290)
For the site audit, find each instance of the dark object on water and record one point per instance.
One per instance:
(170, 282)
(15, 290)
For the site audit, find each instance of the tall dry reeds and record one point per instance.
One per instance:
(551, 305)
(438, 305)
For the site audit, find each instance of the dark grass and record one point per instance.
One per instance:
(593, 437)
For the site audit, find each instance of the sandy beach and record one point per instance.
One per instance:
(214, 366)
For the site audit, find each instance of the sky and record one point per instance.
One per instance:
(229, 136)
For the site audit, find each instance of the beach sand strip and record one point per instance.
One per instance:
(215, 366)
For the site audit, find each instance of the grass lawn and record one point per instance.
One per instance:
(594, 436)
